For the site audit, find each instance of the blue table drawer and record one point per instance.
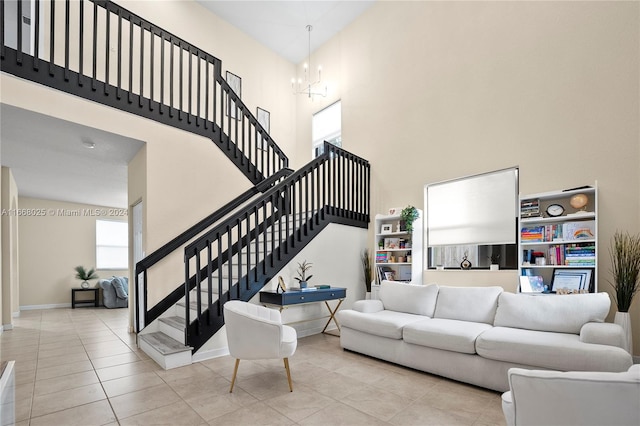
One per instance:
(296, 297)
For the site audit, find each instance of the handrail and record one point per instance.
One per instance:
(194, 230)
(170, 247)
(100, 51)
(262, 235)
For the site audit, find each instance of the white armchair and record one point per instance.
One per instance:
(572, 398)
(256, 332)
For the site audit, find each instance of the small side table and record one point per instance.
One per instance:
(74, 302)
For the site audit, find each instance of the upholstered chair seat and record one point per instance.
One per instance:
(256, 332)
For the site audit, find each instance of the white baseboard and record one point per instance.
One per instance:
(212, 353)
(50, 306)
(7, 327)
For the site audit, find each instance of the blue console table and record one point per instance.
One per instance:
(299, 297)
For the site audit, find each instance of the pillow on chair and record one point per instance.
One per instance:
(122, 292)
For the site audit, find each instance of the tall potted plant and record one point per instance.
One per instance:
(366, 270)
(625, 268)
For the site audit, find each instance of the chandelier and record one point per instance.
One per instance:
(308, 87)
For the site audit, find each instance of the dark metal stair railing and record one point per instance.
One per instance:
(142, 268)
(259, 240)
(152, 73)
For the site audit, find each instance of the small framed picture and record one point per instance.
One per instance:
(386, 228)
(235, 83)
(263, 116)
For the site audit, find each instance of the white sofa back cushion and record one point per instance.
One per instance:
(474, 304)
(409, 298)
(560, 314)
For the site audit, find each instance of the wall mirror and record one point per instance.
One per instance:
(471, 222)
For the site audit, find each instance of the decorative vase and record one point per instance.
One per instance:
(623, 319)
(303, 284)
(494, 267)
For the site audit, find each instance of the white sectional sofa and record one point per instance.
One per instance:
(475, 334)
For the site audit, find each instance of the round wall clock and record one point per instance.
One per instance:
(555, 210)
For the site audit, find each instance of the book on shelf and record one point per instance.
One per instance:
(381, 273)
(322, 286)
(303, 289)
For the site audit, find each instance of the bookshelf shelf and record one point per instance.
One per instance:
(567, 241)
(405, 245)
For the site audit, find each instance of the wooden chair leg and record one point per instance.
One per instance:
(235, 372)
(286, 366)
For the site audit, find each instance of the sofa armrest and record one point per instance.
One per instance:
(602, 333)
(368, 306)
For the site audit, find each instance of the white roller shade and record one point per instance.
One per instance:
(480, 209)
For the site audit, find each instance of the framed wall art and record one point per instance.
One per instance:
(235, 83)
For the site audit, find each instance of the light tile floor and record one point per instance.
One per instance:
(81, 367)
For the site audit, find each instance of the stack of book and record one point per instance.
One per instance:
(382, 257)
(580, 254)
(533, 234)
(529, 208)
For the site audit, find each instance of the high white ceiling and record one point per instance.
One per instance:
(48, 159)
(281, 25)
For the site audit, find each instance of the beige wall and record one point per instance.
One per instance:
(52, 243)
(10, 275)
(436, 90)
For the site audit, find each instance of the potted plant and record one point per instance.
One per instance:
(495, 261)
(84, 275)
(625, 268)
(302, 273)
(366, 269)
(408, 215)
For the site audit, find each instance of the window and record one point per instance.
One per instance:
(473, 218)
(326, 125)
(112, 245)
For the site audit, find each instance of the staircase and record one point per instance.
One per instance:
(238, 256)
(235, 251)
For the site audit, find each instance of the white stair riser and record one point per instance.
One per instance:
(172, 332)
(166, 361)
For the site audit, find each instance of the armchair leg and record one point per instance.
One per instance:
(235, 372)
(286, 366)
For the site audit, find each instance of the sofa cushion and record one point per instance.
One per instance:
(474, 304)
(449, 335)
(555, 351)
(409, 298)
(385, 323)
(562, 314)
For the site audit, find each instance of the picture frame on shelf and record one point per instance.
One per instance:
(386, 228)
(235, 83)
(571, 279)
(531, 284)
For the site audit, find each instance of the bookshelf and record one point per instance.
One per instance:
(397, 252)
(559, 236)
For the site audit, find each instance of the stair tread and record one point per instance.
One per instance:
(174, 321)
(164, 344)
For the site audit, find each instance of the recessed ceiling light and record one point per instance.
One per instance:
(88, 144)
